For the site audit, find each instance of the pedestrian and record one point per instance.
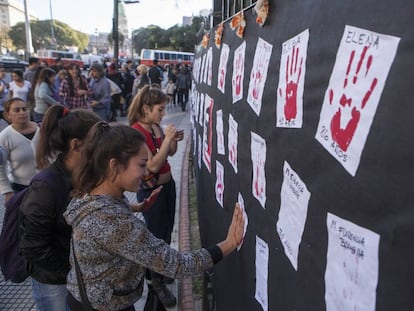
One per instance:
(99, 92)
(19, 87)
(170, 90)
(4, 92)
(141, 80)
(44, 94)
(19, 141)
(74, 89)
(30, 70)
(110, 246)
(128, 82)
(115, 76)
(145, 114)
(44, 234)
(183, 85)
(155, 73)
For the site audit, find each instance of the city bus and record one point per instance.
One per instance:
(166, 57)
(67, 57)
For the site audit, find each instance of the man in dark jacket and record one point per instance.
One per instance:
(155, 73)
(183, 85)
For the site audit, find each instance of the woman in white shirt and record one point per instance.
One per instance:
(19, 87)
(19, 141)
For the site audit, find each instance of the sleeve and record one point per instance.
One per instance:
(131, 239)
(64, 90)
(4, 180)
(38, 218)
(105, 98)
(45, 96)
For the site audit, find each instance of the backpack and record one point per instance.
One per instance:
(14, 266)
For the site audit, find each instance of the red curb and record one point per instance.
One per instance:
(185, 290)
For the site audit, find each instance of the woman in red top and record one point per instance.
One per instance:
(145, 114)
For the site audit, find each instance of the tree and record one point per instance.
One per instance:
(178, 38)
(121, 38)
(41, 35)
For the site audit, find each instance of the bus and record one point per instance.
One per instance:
(166, 57)
(67, 57)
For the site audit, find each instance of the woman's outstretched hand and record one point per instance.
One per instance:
(148, 202)
(235, 232)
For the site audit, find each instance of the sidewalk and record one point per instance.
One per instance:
(17, 297)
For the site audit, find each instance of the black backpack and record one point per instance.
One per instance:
(14, 266)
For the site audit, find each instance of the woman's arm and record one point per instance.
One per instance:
(44, 94)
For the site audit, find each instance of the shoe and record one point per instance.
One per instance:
(164, 295)
(168, 280)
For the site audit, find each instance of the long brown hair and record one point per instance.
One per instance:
(148, 95)
(103, 143)
(59, 126)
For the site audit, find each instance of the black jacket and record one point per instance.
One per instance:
(44, 234)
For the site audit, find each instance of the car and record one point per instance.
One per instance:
(11, 63)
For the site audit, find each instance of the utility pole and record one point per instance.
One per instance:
(115, 29)
(29, 45)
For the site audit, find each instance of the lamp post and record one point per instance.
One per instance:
(115, 30)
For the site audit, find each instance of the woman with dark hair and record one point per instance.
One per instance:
(100, 90)
(44, 234)
(111, 247)
(19, 141)
(74, 88)
(44, 94)
(145, 114)
(19, 87)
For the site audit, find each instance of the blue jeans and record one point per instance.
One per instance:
(49, 297)
(37, 117)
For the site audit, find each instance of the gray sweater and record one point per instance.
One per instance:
(113, 249)
(43, 95)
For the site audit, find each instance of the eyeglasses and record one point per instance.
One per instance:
(18, 109)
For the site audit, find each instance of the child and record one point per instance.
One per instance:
(170, 90)
(112, 246)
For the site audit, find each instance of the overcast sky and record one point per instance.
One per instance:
(91, 15)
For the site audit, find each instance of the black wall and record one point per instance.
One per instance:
(379, 197)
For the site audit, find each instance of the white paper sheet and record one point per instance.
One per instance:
(292, 81)
(262, 268)
(258, 154)
(294, 200)
(232, 142)
(208, 131)
(258, 75)
(220, 132)
(219, 183)
(238, 72)
(246, 219)
(361, 69)
(222, 69)
(351, 274)
(209, 66)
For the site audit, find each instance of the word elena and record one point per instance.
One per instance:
(366, 39)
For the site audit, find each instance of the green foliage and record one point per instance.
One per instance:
(177, 38)
(111, 38)
(42, 35)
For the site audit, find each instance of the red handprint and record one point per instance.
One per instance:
(256, 83)
(343, 136)
(292, 70)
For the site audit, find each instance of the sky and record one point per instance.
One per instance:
(90, 16)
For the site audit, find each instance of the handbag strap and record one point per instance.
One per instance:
(81, 286)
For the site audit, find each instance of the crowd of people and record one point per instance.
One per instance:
(85, 247)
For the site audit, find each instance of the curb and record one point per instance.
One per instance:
(186, 284)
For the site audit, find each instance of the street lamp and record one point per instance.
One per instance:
(115, 30)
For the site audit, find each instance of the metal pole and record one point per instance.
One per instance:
(116, 33)
(29, 45)
(52, 30)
